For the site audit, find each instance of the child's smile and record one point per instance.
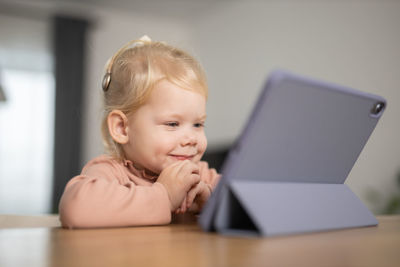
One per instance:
(183, 157)
(169, 127)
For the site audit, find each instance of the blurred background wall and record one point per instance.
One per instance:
(353, 43)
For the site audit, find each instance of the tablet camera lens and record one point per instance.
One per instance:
(378, 107)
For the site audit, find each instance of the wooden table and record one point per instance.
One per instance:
(44, 243)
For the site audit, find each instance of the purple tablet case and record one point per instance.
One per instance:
(286, 172)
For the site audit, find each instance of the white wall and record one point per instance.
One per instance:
(25, 43)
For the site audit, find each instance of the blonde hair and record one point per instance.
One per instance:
(133, 72)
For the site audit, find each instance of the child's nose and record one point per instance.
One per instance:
(189, 138)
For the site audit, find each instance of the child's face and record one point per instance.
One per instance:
(168, 128)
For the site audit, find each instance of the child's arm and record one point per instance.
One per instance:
(103, 196)
(101, 202)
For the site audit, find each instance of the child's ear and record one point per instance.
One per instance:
(118, 126)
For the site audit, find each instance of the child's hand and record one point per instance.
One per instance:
(177, 179)
(196, 198)
(199, 193)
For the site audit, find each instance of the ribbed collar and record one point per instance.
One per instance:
(138, 172)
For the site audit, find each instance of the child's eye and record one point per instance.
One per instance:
(199, 125)
(172, 124)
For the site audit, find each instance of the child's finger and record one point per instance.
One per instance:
(191, 196)
(183, 205)
(189, 167)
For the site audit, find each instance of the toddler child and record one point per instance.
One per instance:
(153, 128)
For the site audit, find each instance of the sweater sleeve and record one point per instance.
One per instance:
(96, 198)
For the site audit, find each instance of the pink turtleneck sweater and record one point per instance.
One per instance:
(110, 193)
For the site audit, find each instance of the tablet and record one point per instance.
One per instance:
(301, 130)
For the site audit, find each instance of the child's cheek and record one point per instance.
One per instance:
(164, 147)
(202, 144)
